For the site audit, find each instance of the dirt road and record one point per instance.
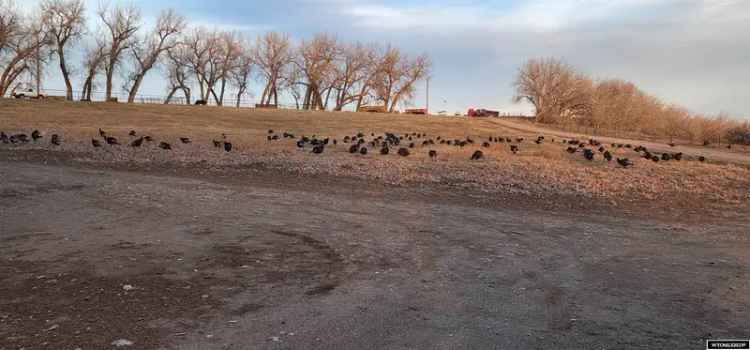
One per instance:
(90, 257)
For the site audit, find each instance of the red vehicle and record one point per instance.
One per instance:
(482, 113)
(419, 111)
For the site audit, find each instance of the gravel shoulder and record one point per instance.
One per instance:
(186, 259)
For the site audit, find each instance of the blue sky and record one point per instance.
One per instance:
(688, 52)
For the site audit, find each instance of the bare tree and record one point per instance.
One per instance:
(353, 73)
(148, 50)
(316, 60)
(230, 51)
(396, 76)
(22, 40)
(272, 55)
(178, 73)
(122, 23)
(554, 88)
(93, 62)
(66, 23)
(241, 74)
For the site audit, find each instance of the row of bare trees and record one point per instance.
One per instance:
(562, 95)
(318, 73)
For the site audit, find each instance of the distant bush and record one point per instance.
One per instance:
(739, 135)
(562, 95)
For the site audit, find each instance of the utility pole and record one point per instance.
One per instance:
(38, 66)
(427, 104)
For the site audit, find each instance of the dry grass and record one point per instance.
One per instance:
(543, 170)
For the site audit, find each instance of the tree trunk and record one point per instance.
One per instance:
(110, 72)
(136, 85)
(169, 96)
(65, 74)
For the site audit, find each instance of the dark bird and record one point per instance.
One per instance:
(624, 162)
(137, 142)
(486, 145)
(270, 131)
(671, 144)
(519, 139)
(318, 149)
(514, 149)
(55, 140)
(666, 157)
(404, 152)
(655, 159)
(360, 135)
(132, 133)
(21, 138)
(702, 159)
(300, 144)
(102, 133)
(354, 149)
(165, 146)
(227, 146)
(111, 140)
(571, 150)
(148, 138)
(36, 135)
(608, 156)
(678, 156)
(96, 143)
(385, 150)
(588, 154)
(217, 144)
(478, 155)
(602, 149)
(411, 145)
(433, 154)
(3, 137)
(185, 140)
(363, 151)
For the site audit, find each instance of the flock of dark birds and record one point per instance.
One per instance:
(361, 144)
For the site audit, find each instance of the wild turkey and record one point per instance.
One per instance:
(55, 140)
(185, 140)
(96, 143)
(602, 149)
(102, 133)
(519, 139)
(353, 149)
(270, 131)
(433, 154)
(486, 145)
(678, 156)
(36, 135)
(318, 149)
(360, 135)
(624, 162)
(478, 155)
(132, 133)
(111, 141)
(165, 146)
(137, 142)
(655, 159)
(404, 152)
(335, 142)
(411, 145)
(514, 149)
(300, 144)
(666, 157)
(671, 144)
(588, 154)
(227, 146)
(217, 144)
(608, 156)
(363, 151)
(385, 150)
(702, 159)
(571, 150)
(148, 138)
(3, 138)
(22, 138)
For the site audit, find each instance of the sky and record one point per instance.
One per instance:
(687, 52)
